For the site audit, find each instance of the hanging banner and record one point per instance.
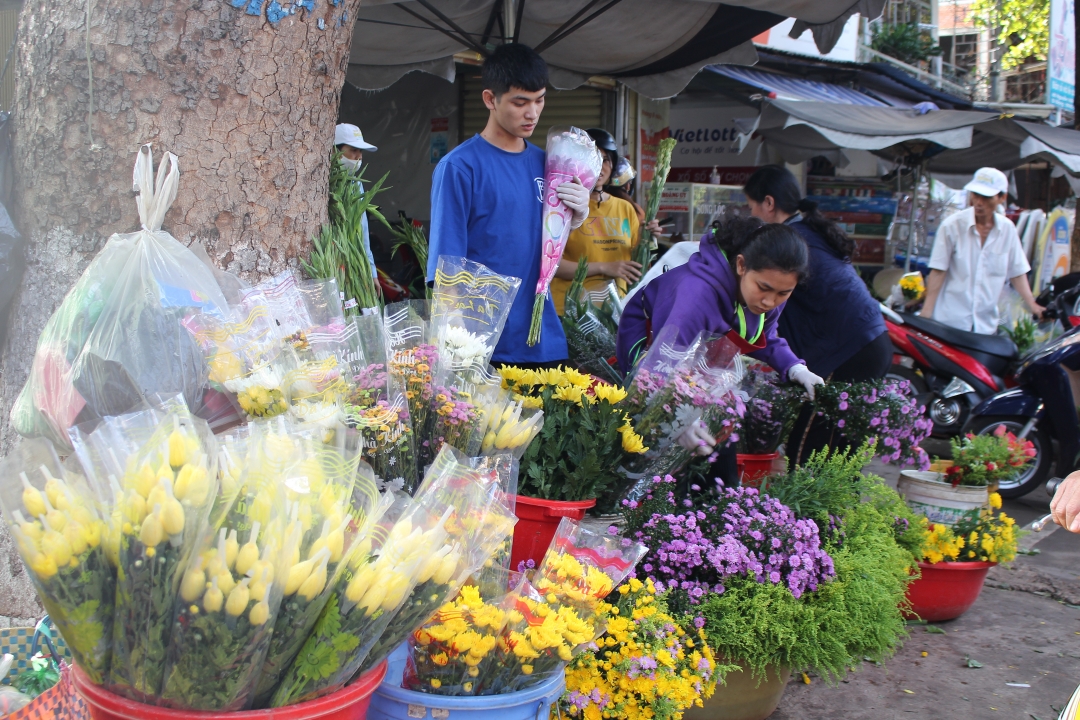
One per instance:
(1052, 253)
(653, 116)
(1061, 60)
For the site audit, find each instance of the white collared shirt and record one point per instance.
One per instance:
(975, 272)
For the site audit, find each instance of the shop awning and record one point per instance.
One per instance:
(653, 46)
(784, 87)
(799, 131)
(1006, 143)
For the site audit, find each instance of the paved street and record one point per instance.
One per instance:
(1024, 630)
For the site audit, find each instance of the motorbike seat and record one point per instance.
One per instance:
(996, 345)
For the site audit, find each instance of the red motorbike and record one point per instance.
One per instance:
(951, 370)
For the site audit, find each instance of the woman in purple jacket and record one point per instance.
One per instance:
(735, 285)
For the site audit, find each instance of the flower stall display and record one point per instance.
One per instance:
(61, 538)
(586, 435)
(413, 361)
(419, 558)
(652, 370)
(985, 460)
(703, 387)
(882, 410)
(647, 664)
(808, 575)
(571, 156)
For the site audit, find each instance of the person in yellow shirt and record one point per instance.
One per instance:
(606, 238)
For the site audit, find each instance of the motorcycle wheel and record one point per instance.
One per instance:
(899, 372)
(1035, 474)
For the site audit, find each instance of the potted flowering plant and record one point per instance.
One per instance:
(575, 459)
(647, 664)
(805, 577)
(770, 413)
(979, 463)
(955, 560)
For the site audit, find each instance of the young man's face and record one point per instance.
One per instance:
(516, 111)
(985, 207)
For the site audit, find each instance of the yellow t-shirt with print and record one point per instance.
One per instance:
(610, 233)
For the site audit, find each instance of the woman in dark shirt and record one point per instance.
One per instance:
(831, 320)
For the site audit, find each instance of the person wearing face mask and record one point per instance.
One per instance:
(351, 144)
(736, 285)
(487, 201)
(606, 239)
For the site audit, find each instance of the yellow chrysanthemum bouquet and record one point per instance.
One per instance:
(586, 435)
(983, 535)
(53, 516)
(912, 286)
(646, 665)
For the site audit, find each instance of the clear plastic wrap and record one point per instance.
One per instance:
(117, 338)
(413, 361)
(53, 517)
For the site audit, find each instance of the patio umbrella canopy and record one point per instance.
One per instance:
(653, 46)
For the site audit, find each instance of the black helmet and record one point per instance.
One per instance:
(606, 144)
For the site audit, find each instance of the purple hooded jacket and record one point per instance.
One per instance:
(699, 295)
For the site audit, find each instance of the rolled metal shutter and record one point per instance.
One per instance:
(584, 107)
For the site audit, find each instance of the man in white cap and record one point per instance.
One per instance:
(350, 142)
(976, 251)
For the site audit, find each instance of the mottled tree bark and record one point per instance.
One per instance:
(247, 105)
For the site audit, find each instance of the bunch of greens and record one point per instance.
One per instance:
(644, 251)
(591, 342)
(338, 250)
(1023, 334)
(410, 234)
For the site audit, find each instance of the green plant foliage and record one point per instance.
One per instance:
(854, 616)
(906, 42)
(1023, 334)
(1022, 27)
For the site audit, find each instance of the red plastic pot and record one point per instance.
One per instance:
(946, 590)
(537, 522)
(755, 468)
(349, 703)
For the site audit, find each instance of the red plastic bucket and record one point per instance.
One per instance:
(755, 468)
(946, 590)
(349, 703)
(537, 522)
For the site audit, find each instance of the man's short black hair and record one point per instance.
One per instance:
(514, 65)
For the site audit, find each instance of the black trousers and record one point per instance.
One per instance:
(870, 363)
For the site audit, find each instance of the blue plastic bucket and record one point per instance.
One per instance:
(393, 702)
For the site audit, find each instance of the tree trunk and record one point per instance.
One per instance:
(247, 105)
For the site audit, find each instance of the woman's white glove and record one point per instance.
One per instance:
(576, 197)
(802, 375)
(697, 438)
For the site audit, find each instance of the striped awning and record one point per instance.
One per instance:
(785, 87)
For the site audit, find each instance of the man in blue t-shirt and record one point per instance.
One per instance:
(486, 200)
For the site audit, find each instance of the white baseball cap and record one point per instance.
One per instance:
(346, 134)
(988, 182)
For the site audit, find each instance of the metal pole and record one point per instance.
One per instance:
(509, 19)
(911, 219)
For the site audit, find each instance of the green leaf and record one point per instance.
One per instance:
(934, 630)
(969, 662)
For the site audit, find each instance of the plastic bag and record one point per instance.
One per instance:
(117, 337)
(53, 517)
(654, 367)
(469, 310)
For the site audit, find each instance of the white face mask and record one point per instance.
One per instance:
(352, 165)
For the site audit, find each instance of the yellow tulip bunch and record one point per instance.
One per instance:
(507, 425)
(60, 536)
(160, 506)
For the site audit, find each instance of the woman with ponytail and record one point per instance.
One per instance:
(831, 319)
(735, 285)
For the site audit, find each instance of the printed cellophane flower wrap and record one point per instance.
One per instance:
(456, 650)
(507, 424)
(561, 607)
(479, 531)
(413, 361)
(59, 533)
(246, 355)
(160, 505)
(459, 409)
(344, 507)
(417, 557)
(590, 340)
(375, 401)
(300, 307)
(117, 338)
(702, 387)
(571, 154)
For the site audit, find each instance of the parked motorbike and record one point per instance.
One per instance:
(950, 370)
(1042, 405)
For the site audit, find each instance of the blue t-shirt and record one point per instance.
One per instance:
(486, 206)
